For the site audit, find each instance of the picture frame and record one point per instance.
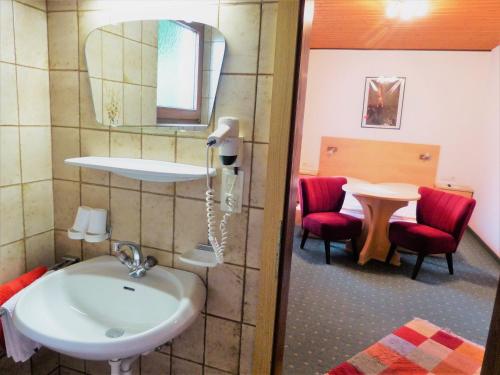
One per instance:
(383, 102)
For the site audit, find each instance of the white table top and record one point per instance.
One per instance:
(386, 191)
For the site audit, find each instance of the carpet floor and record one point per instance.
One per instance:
(338, 310)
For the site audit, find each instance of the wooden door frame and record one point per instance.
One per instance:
(294, 22)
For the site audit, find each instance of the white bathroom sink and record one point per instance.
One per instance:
(94, 310)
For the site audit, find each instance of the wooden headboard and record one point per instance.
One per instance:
(379, 161)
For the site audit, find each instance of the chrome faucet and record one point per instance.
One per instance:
(137, 264)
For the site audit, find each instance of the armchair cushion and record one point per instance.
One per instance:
(421, 238)
(332, 225)
(447, 212)
(321, 194)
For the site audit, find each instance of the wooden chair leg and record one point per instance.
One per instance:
(327, 251)
(449, 259)
(304, 238)
(354, 249)
(420, 260)
(391, 252)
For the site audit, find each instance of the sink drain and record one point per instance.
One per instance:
(115, 332)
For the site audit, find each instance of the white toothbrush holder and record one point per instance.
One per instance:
(90, 225)
(77, 231)
(96, 231)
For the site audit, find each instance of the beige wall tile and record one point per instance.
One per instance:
(246, 353)
(131, 105)
(61, 5)
(133, 30)
(158, 148)
(7, 52)
(65, 144)
(95, 196)
(180, 367)
(64, 98)
(36, 153)
(149, 65)
(11, 261)
(33, 83)
(40, 250)
(114, 28)
(240, 26)
(125, 145)
(132, 62)
(63, 40)
(155, 363)
(11, 214)
(10, 164)
(259, 170)
(222, 344)
(65, 246)
(263, 108)
(225, 291)
(255, 226)
(94, 143)
(8, 95)
(236, 97)
(38, 201)
(157, 222)
(251, 296)
(191, 151)
(235, 248)
(268, 38)
(66, 202)
(125, 214)
(30, 28)
(190, 224)
(93, 250)
(165, 258)
(112, 57)
(189, 344)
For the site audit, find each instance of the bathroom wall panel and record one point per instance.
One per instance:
(170, 218)
(26, 196)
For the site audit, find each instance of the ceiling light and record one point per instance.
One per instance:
(406, 9)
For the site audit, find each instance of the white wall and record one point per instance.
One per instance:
(449, 100)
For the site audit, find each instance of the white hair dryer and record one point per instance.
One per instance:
(226, 138)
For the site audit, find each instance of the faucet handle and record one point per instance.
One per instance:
(150, 262)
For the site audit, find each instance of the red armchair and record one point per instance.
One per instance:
(321, 199)
(441, 221)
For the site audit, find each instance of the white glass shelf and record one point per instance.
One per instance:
(142, 169)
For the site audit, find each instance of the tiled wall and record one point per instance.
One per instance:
(168, 219)
(26, 200)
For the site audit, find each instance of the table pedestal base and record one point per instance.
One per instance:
(374, 237)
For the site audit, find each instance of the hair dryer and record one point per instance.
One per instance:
(226, 138)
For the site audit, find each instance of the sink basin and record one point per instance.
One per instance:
(93, 310)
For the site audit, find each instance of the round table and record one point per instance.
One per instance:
(379, 202)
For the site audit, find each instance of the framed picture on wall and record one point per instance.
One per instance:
(383, 102)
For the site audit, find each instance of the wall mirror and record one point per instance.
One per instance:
(161, 73)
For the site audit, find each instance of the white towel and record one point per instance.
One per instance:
(19, 347)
